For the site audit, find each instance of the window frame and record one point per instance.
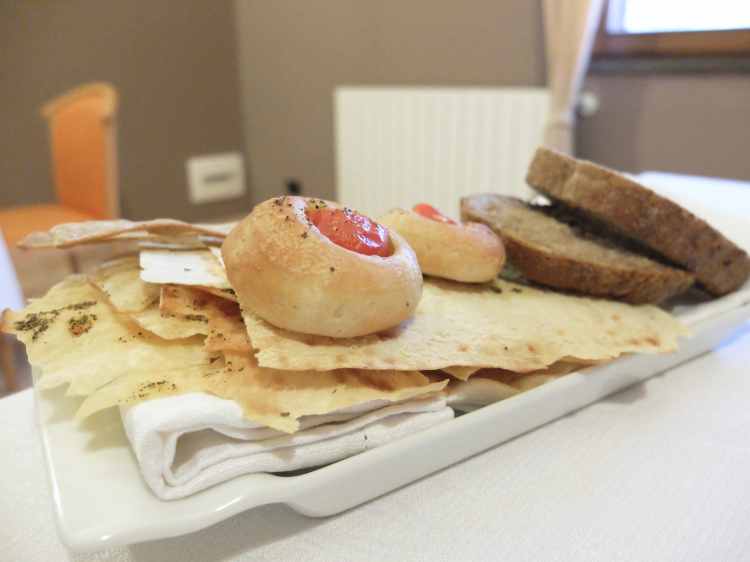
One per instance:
(733, 42)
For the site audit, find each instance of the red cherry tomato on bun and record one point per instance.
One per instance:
(351, 231)
(430, 212)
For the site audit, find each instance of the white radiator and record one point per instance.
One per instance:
(396, 147)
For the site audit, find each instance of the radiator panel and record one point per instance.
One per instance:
(396, 147)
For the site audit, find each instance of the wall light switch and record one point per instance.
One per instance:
(216, 177)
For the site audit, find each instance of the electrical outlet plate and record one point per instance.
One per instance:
(216, 177)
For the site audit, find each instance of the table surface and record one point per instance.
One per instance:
(659, 471)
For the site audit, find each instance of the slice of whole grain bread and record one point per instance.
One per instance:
(632, 210)
(554, 253)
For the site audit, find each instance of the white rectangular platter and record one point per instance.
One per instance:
(101, 501)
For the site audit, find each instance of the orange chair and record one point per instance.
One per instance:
(82, 126)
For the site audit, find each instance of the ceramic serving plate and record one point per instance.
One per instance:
(101, 501)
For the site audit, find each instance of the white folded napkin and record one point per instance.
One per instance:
(188, 443)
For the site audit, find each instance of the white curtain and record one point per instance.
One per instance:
(569, 30)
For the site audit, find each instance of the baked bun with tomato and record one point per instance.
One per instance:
(468, 252)
(315, 267)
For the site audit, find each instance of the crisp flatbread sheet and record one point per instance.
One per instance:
(76, 337)
(267, 396)
(461, 373)
(278, 399)
(183, 267)
(172, 243)
(228, 294)
(487, 386)
(505, 326)
(218, 231)
(172, 311)
(526, 381)
(147, 384)
(476, 393)
(73, 234)
(217, 241)
(562, 367)
(221, 319)
(216, 251)
(120, 282)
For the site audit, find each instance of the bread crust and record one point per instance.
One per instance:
(633, 210)
(288, 273)
(469, 252)
(609, 272)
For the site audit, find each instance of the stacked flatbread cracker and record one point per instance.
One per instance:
(166, 323)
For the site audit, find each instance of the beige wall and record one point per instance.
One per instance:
(193, 76)
(174, 64)
(683, 123)
(293, 53)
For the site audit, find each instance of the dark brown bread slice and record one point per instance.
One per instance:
(633, 210)
(553, 253)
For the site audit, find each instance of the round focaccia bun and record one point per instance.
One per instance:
(290, 274)
(468, 252)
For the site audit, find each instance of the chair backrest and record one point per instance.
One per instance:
(398, 146)
(82, 126)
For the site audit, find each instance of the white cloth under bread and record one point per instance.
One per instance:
(185, 444)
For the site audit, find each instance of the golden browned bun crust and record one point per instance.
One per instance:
(468, 252)
(288, 273)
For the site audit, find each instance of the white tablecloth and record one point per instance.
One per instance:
(660, 471)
